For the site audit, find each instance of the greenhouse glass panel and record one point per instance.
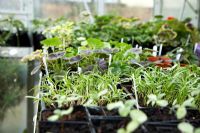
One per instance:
(57, 8)
(181, 9)
(134, 8)
(13, 79)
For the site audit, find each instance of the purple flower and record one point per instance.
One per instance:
(197, 50)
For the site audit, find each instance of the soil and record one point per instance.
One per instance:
(111, 126)
(108, 126)
(67, 127)
(78, 114)
(158, 114)
(102, 111)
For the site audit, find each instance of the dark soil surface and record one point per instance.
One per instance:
(65, 127)
(78, 114)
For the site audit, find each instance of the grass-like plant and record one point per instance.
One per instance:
(81, 89)
(177, 82)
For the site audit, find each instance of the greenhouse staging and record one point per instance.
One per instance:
(99, 66)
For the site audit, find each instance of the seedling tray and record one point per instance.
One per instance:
(100, 120)
(64, 127)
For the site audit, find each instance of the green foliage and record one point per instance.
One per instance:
(185, 127)
(51, 42)
(177, 82)
(153, 99)
(59, 113)
(82, 89)
(10, 26)
(125, 109)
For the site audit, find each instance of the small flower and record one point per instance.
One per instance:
(170, 18)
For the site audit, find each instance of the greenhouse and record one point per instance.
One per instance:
(99, 66)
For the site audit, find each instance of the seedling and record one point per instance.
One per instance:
(125, 109)
(157, 100)
(59, 113)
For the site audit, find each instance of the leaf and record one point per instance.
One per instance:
(134, 51)
(152, 97)
(102, 64)
(138, 116)
(124, 111)
(188, 102)
(161, 95)
(197, 130)
(195, 92)
(53, 118)
(185, 127)
(174, 102)
(73, 98)
(95, 43)
(112, 106)
(130, 103)
(57, 111)
(35, 70)
(86, 52)
(103, 92)
(67, 112)
(181, 112)
(121, 130)
(89, 102)
(162, 103)
(132, 126)
(49, 42)
(74, 59)
(55, 56)
(81, 39)
(134, 62)
(84, 43)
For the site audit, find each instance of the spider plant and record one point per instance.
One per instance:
(177, 83)
(81, 89)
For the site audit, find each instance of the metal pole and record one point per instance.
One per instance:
(161, 7)
(198, 14)
(88, 10)
(158, 7)
(30, 92)
(182, 10)
(100, 7)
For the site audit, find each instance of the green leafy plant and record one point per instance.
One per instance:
(137, 116)
(10, 26)
(153, 99)
(59, 113)
(185, 127)
(81, 89)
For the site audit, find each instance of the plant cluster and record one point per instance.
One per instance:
(85, 64)
(10, 28)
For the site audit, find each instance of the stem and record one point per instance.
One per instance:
(124, 88)
(160, 50)
(18, 43)
(135, 91)
(110, 59)
(45, 61)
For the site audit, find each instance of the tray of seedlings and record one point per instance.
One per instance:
(91, 85)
